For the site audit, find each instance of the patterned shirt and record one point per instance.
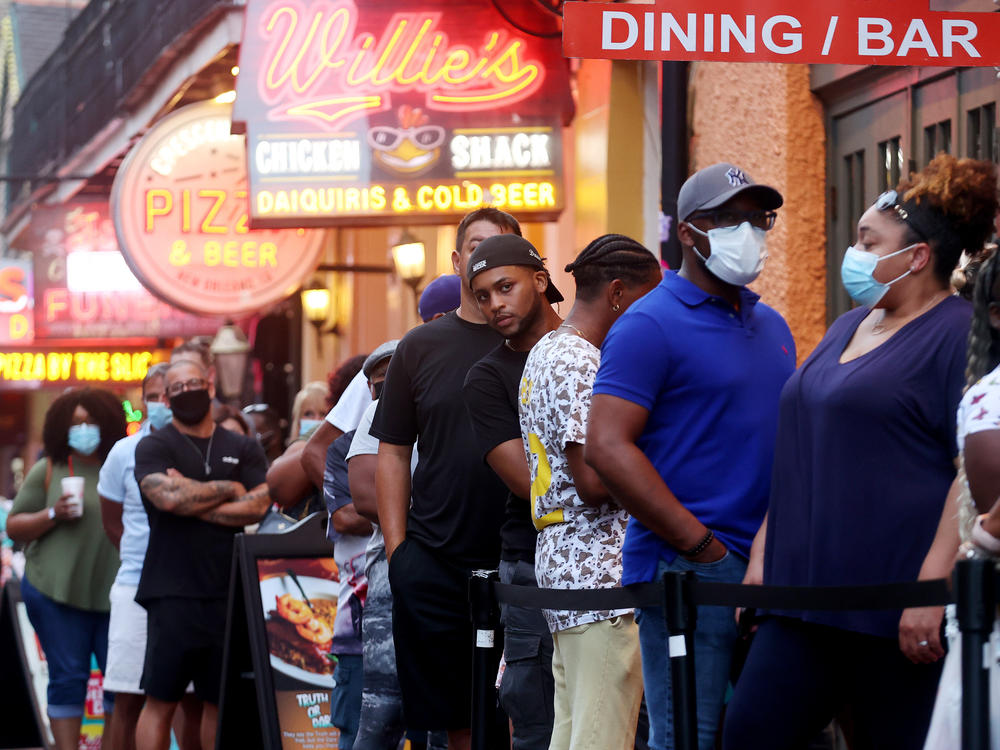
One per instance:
(578, 546)
(979, 409)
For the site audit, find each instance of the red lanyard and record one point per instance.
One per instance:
(71, 466)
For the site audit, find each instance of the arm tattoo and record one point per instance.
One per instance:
(249, 508)
(185, 497)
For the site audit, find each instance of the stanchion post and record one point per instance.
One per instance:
(975, 604)
(485, 621)
(681, 617)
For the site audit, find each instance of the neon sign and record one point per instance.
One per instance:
(180, 203)
(320, 49)
(66, 368)
(83, 287)
(389, 109)
(16, 302)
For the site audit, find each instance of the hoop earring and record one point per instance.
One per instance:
(616, 308)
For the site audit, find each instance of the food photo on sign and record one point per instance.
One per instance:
(299, 602)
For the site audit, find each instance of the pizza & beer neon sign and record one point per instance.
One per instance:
(180, 204)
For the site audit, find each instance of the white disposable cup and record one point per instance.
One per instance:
(74, 486)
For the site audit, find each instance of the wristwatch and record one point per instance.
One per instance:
(52, 513)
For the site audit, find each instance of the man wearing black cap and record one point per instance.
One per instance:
(683, 422)
(514, 293)
(457, 501)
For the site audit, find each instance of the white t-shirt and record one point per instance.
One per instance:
(346, 413)
(364, 444)
(117, 484)
(578, 547)
(979, 409)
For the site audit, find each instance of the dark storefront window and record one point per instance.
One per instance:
(937, 138)
(982, 139)
(854, 179)
(890, 160)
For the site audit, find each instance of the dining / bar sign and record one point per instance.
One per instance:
(179, 203)
(400, 110)
(848, 32)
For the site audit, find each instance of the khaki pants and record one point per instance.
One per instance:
(598, 680)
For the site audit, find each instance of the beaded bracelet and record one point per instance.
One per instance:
(703, 545)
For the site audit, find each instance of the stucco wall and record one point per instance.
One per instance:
(762, 117)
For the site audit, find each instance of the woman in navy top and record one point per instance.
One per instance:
(864, 460)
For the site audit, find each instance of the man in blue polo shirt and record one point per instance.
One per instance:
(683, 421)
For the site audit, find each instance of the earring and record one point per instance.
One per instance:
(616, 307)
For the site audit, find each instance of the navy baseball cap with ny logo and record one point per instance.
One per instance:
(712, 186)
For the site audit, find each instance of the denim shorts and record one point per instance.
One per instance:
(69, 636)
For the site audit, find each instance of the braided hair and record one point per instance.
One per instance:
(610, 257)
(984, 340)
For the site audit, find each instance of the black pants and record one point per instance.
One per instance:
(798, 676)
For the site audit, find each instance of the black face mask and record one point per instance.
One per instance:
(377, 389)
(190, 407)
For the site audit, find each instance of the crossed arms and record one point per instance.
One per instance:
(219, 501)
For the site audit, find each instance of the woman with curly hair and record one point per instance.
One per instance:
(864, 460)
(69, 562)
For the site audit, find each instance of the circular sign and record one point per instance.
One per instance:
(180, 208)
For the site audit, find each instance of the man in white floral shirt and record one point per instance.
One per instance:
(596, 663)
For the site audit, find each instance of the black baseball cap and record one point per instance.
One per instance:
(509, 250)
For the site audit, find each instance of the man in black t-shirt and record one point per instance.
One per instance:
(514, 293)
(193, 479)
(458, 503)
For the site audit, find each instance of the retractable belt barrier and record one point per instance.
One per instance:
(679, 595)
(705, 593)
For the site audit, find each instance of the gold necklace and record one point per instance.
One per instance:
(573, 328)
(878, 329)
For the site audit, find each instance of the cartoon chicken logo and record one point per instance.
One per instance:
(410, 149)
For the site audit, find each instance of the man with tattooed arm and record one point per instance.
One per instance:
(200, 486)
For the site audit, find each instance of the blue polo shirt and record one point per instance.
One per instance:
(710, 376)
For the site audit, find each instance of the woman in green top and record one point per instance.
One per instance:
(70, 564)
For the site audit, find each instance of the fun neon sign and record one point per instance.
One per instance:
(331, 74)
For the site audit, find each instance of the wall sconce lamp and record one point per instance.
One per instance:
(316, 299)
(231, 350)
(410, 260)
(317, 302)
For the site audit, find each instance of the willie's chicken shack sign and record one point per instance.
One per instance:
(387, 111)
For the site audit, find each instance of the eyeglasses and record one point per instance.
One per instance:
(889, 201)
(194, 384)
(730, 217)
(255, 408)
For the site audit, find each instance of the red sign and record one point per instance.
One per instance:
(180, 209)
(84, 289)
(857, 32)
(395, 110)
(16, 302)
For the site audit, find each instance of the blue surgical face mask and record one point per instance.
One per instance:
(84, 438)
(308, 425)
(856, 274)
(159, 414)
